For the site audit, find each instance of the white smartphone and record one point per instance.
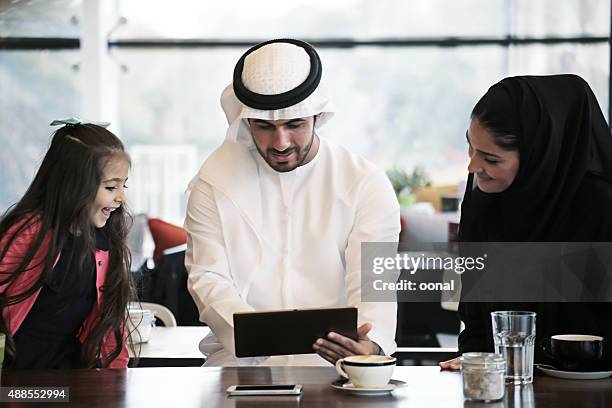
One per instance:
(267, 389)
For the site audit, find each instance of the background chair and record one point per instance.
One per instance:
(162, 313)
(163, 279)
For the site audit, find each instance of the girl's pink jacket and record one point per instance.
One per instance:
(15, 314)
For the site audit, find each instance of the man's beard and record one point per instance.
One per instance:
(301, 154)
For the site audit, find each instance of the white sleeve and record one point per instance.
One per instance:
(377, 220)
(210, 281)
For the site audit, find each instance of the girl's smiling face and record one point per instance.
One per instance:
(495, 168)
(111, 192)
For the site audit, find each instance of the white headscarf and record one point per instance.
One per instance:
(273, 69)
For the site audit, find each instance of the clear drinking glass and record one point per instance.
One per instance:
(514, 338)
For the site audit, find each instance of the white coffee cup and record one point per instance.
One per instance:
(140, 323)
(369, 371)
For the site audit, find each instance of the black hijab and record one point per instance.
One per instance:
(563, 139)
(562, 192)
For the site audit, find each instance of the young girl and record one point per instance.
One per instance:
(64, 264)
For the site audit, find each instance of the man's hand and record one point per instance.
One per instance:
(337, 346)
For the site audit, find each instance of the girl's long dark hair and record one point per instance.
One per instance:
(58, 202)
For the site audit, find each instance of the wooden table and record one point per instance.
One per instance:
(205, 387)
(171, 347)
(178, 347)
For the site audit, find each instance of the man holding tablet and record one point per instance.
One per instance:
(276, 215)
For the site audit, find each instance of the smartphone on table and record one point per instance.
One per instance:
(265, 389)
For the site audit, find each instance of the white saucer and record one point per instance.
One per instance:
(573, 375)
(350, 388)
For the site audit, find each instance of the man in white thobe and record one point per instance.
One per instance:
(276, 215)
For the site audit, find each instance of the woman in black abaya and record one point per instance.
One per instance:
(540, 171)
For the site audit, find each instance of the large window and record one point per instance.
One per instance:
(36, 87)
(40, 18)
(404, 76)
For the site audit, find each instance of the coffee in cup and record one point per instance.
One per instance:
(367, 371)
(575, 352)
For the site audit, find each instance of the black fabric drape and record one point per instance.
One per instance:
(562, 193)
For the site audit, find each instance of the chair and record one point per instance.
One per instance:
(161, 312)
(140, 242)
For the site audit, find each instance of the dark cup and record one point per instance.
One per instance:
(575, 352)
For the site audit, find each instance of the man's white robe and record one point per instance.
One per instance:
(259, 239)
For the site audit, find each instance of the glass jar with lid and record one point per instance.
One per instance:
(483, 376)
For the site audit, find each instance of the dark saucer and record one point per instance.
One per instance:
(595, 367)
(573, 375)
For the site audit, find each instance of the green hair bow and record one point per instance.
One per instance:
(78, 121)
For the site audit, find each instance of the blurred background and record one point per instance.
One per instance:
(404, 76)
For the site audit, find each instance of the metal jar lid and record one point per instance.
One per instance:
(483, 360)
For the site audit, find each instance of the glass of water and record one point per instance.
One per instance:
(514, 338)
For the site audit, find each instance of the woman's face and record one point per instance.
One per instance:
(494, 167)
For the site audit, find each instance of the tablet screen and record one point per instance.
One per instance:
(274, 333)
